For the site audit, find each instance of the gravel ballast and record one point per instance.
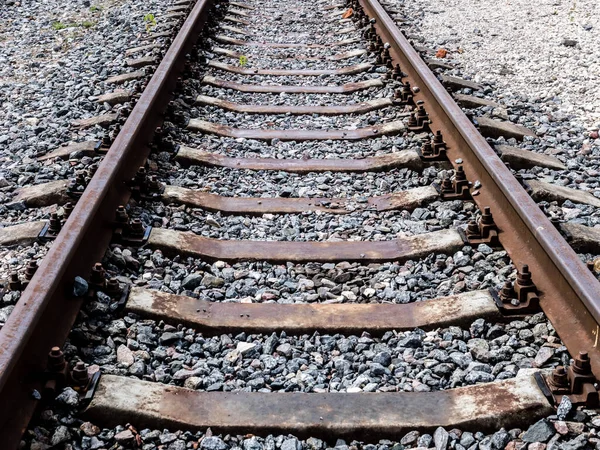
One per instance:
(113, 341)
(547, 50)
(434, 276)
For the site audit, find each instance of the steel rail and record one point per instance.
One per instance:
(570, 294)
(46, 311)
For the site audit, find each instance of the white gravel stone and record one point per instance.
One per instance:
(522, 46)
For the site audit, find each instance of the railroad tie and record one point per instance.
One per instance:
(360, 415)
(406, 200)
(402, 249)
(347, 88)
(406, 158)
(390, 128)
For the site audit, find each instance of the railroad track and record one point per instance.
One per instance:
(222, 136)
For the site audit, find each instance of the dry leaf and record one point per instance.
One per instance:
(348, 13)
(596, 266)
(441, 53)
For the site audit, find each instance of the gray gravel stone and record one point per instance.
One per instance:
(252, 444)
(80, 287)
(68, 397)
(564, 408)
(500, 439)
(213, 443)
(574, 444)
(61, 435)
(410, 438)
(440, 438)
(541, 431)
(291, 444)
(191, 282)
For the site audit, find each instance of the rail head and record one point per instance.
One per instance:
(570, 294)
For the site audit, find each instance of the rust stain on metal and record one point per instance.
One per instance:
(406, 200)
(354, 108)
(304, 89)
(406, 158)
(412, 247)
(359, 415)
(306, 318)
(349, 70)
(390, 128)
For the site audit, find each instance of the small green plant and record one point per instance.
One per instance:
(59, 26)
(95, 8)
(150, 21)
(243, 60)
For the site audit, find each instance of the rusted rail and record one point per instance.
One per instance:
(46, 311)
